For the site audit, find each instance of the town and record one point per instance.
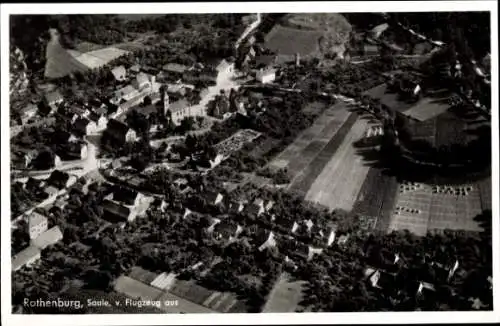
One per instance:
(239, 163)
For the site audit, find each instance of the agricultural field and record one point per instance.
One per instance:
(98, 58)
(336, 175)
(377, 196)
(311, 141)
(59, 62)
(288, 41)
(421, 210)
(285, 295)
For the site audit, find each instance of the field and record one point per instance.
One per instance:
(376, 197)
(436, 211)
(285, 295)
(59, 62)
(236, 141)
(97, 58)
(310, 142)
(342, 172)
(288, 41)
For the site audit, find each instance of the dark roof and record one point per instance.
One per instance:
(265, 60)
(95, 116)
(116, 209)
(226, 228)
(175, 67)
(33, 184)
(125, 195)
(115, 126)
(58, 179)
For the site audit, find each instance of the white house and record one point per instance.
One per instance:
(265, 76)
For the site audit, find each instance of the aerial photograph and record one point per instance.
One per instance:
(250, 162)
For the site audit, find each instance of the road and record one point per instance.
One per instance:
(248, 30)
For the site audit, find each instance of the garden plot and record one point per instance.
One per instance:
(236, 141)
(285, 295)
(426, 208)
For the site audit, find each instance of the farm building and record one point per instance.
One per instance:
(37, 224)
(120, 132)
(120, 73)
(25, 258)
(48, 238)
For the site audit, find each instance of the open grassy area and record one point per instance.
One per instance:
(60, 63)
(288, 41)
(285, 295)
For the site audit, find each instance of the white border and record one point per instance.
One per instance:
(231, 319)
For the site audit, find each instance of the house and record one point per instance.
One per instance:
(117, 212)
(425, 288)
(236, 207)
(126, 196)
(29, 156)
(119, 73)
(53, 99)
(74, 151)
(265, 76)
(60, 179)
(37, 224)
(343, 239)
(27, 257)
(60, 204)
(379, 279)
(64, 137)
(51, 191)
(45, 110)
(179, 110)
(307, 252)
(99, 119)
(84, 126)
(124, 94)
(226, 230)
(143, 81)
(259, 206)
(219, 106)
(119, 132)
(28, 112)
(214, 198)
(48, 238)
(270, 241)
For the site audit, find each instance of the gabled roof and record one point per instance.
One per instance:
(125, 195)
(33, 183)
(129, 89)
(81, 124)
(142, 78)
(48, 237)
(116, 208)
(135, 68)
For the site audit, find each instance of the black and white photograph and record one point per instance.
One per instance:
(247, 159)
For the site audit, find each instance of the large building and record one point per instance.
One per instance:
(27, 257)
(37, 224)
